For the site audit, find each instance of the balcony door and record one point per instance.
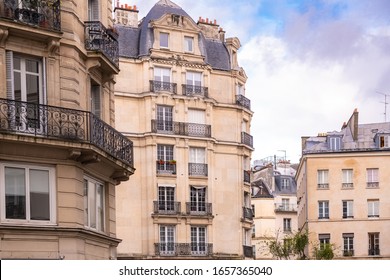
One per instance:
(164, 119)
(167, 240)
(198, 240)
(93, 10)
(197, 122)
(198, 199)
(25, 87)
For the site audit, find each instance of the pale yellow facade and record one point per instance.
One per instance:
(60, 157)
(188, 198)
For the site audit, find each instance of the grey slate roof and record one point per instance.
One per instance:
(137, 42)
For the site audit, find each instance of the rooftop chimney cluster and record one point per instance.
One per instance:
(126, 15)
(211, 29)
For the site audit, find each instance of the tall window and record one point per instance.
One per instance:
(93, 10)
(188, 44)
(166, 199)
(240, 90)
(165, 162)
(324, 240)
(194, 79)
(323, 209)
(198, 240)
(347, 180)
(164, 117)
(373, 208)
(197, 163)
(322, 179)
(285, 204)
(372, 178)
(28, 194)
(285, 184)
(94, 204)
(164, 40)
(348, 244)
(334, 143)
(162, 79)
(347, 209)
(198, 199)
(373, 244)
(167, 239)
(96, 100)
(287, 224)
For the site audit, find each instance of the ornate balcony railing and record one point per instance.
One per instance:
(44, 13)
(100, 39)
(247, 176)
(157, 86)
(181, 128)
(372, 185)
(282, 207)
(191, 90)
(243, 101)
(247, 139)
(166, 207)
(247, 213)
(197, 169)
(183, 249)
(166, 167)
(18, 117)
(248, 251)
(374, 252)
(198, 208)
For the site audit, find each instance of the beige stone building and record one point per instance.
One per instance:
(60, 157)
(343, 193)
(180, 97)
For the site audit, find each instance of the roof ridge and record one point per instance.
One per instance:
(168, 3)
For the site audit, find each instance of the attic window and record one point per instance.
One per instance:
(164, 40)
(383, 141)
(334, 143)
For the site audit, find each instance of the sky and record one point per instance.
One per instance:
(309, 63)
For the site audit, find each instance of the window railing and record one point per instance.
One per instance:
(247, 139)
(183, 249)
(247, 213)
(199, 208)
(62, 123)
(348, 253)
(44, 13)
(166, 167)
(281, 207)
(372, 185)
(347, 185)
(181, 128)
(191, 90)
(197, 169)
(100, 39)
(157, 86)
(243, 101)
(323, 186)
(166, 207)
(374, 252)
(248, 251)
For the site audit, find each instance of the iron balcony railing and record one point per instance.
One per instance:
(44, 13)
(372, 185)
(247, 176)
(242, 101)
(197, 169)
(157, 86)
(198, 208)
(285, 207)
(171, 249)
(181, 128)
(62, 123)
(348, 253)
(100, 39)
(247, 213)
(374, 252)
(248, 251)
(166, 207)
(191, 90)
(166, 167)
(247, 139)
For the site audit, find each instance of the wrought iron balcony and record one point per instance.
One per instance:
(157, 86)
(183, 249)
(247, 213)
(181, 128)
(248, 251)
(100, 39)
(242, 101)
(39, 120)
(199, 208)
(372, 185)
(283, 207)
(191, 90)
(374, 252)
(247, 176)
(44, 13)
(197, 169)
(166, 167)
(166, 207)
(247, 139)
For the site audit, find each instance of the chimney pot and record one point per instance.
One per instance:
(126, 6)
(207, 20)
(135, 7)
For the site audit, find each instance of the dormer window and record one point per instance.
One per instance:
(382, 140)
(334, 142)
(164, 40)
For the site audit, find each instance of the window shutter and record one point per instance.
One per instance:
(196, 116)
(9, 74)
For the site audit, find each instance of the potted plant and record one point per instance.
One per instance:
(172, 161)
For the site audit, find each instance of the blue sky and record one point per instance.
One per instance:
(309, 63)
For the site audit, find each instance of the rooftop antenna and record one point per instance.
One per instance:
(385, 102)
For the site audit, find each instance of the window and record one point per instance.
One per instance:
(164, 115)
(93, 10)
(188, 44)
(322, 179)
(347, 209)
(383, 141)
(287, 224)
(285, 204)
(198, 199)
(324, 240)
(240, 89)
(347, 180)
(167, 240)
(372, 178)
(93, 204)
(194, 83)
(285, 184)
(373, 244)
(164, 40)
(197, 123)
(166, 200)
(165, 162)
(198, 240)
(95, 100)
(348, 244)
(162, 80)
(373, 208)
(28, 194)
(334, 143)
(197, 163)
(323, 209)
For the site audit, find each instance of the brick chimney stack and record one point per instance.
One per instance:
(126, 15)
(210, 28)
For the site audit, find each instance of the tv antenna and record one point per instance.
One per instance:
(385, 102)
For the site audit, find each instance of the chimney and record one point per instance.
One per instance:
(127, 15)
(221, 35)
(210, 29)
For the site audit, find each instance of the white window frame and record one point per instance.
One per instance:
(334, 143)
(198, 240)
(162, 74)
(164, 40)
(347, 209)
(373, 208)
(198, 199)
(52, 194)
(323, 179)
(93, 10)
(166, 197)
(188, 44)
(197, 155)
(92, 211)
(167, 239)
(372, 177)
(287, 224)
(323, 209)
(347, 178)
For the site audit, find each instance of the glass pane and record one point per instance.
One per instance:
(86, 202)
(17, 86)
(15, 193)
(100, 207)
(92, 204)
(32, 66)
(39, 195)
(32, 87)
(16, 63)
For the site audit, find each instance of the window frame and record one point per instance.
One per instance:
(167, 246)
(347, 178)
(372, 176)
(287, 224)
(164, 40)
(323, 178)
(323, 209)
(348, 244)
(198, 239)
(373, 208)
(347, 209)
(188, 44)
(52, 194)
(87, 206)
